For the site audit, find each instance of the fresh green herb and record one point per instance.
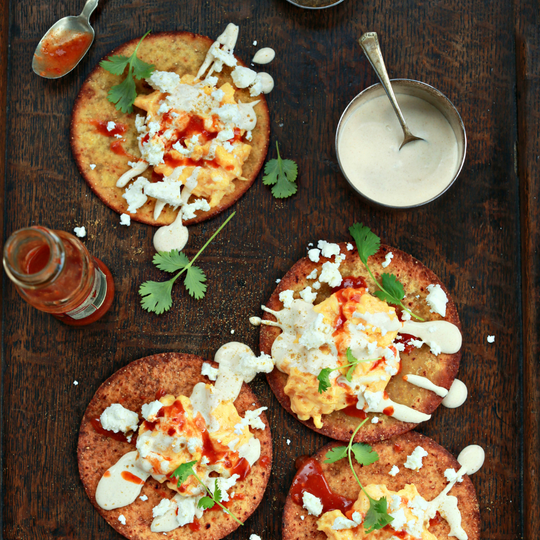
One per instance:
(123, 95)
(281, 175)
(157, 295)
(184, 471)
(324, 376)
(377, 516)
(367, 243)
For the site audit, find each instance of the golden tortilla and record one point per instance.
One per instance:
(429, 481)
(132, 386)
(181, 52)
(441, 369)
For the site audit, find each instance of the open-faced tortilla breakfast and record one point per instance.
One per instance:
(196, 139)
(412, 489)
(349, 342)
(163, 450)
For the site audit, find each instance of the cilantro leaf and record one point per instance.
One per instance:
(123, 95)
(377, 516)
(194, 282)
(392, 290)
(324, 380)
(217, 492)
(281, 174)
(115, 64)
(170, 261)
(183, 472)
(141, 69)
(367, 242)
(206, 502)
(353, 362)
(157, 296)
(364, 454)
(337, 453)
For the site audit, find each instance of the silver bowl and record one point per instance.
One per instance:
(335, 3)
(430, 95)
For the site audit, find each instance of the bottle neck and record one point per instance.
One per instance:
(34, 257)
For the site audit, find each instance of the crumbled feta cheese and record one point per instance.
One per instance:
(328, 250)
(208, 371)
(80, 232)
(117, 418)
(372, 399)
(218, 95)
(437, 299)
(164, 81)
(312, 275)
(451, 475)
(435, 348)
(122, 519)
(249, 135)
(118, 136)
(399, 519)
(330, 274)
(286, 298)
(491, 339)
(232, 331)
(189, 210)
(375, 420)
(416, 343)
(92, 166)
(302, 518)
(243, 77)
(314, 255)
(150, 410)
(134, 194)
(255, 43)
(76, 383)
(143, 498)
(350, 247)
(278, 280)
(163, 507)
(387, 259)
(152, 151)
(288, 442)
(254, 537)
(307, 295)
(405, 315)
(167, 192)
(110, 125)
(316, 285)
(257, 86)
(125, 219)
(394, 470)
(341, 523)
(414, 461)
(249, 365)
(316, 334)
(312, 504)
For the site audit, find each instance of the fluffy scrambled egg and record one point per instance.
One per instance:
(221, 162)
(177, 436)
(406, 506)
(367, 343)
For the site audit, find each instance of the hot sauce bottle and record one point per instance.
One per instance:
(53, 271)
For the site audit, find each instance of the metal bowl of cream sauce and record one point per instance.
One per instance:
(368, 138)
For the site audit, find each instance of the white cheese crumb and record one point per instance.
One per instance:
(80, 232)
(312, 504)
(451, 475)
(350, 247)
(491, 339)
(302, 518)
(288, 442)
(307, 295)
(330, 274)
(243, 77)
(208, 371)
(437, 299)
(328, 250)
(122, 519)
(150, 410)
(143, 498)
(414, 461)
(255, 43)
(164, 81)
(316, 285)
(117, 418)
(75, 383)
(286, 297)
(125, 219)
(278, 280)
(314, 255)
(394, 470)
(232, 331)
(118, 136)
(134, 194)
(92, 166)
(163, 507)
(387, 259)
(375, 420)
(110, 125)
(313, 275)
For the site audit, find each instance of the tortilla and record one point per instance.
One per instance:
(441, 369)
(181, 52)
(138, 383)
(429, 481)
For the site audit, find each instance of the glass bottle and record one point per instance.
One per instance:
(53, 271)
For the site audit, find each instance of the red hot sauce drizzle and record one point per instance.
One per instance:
(129, 477)
(310, 477)
(96, 424)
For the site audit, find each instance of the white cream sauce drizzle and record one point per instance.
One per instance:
(457, 395)
(113, 491)
(446, 335)
(132, 173)
(173, 236)
(267, 82)
(264, 56)
(248, 119)
(401, 412)
(255, 321)
(228, 40)
(423, 382)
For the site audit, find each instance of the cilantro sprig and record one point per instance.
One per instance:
(324, 376)
(368, 243)
(281, 175)
(157, 295)
(123, 95)
(184, 471)
(377, 516)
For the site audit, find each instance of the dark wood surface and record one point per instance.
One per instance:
(481, 238)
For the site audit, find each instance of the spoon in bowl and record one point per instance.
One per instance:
(370, 45)
(65, 44)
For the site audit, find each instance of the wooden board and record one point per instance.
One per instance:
(481, 238)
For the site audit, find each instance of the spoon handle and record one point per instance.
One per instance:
(370, 45)
(89, 9)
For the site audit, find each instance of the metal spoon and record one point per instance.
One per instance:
(370, 45)
(80, 24)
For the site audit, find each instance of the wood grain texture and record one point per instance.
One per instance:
(477, 53)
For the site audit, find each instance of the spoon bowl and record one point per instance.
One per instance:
(65, 44)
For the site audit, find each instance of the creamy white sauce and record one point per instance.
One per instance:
(401, 412)
(443, 333)
(423, 382)
(267, 82)
(255, 321)
(472, 458)
(369, 153)
(115, 492)
(248, 116)
(457, 395)
(132, 173)
(264, 56)
(173, 236)
(228, 40)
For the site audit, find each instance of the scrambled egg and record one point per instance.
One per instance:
(366, 342)
(407, 510)
(221, 162)
(180, 437)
